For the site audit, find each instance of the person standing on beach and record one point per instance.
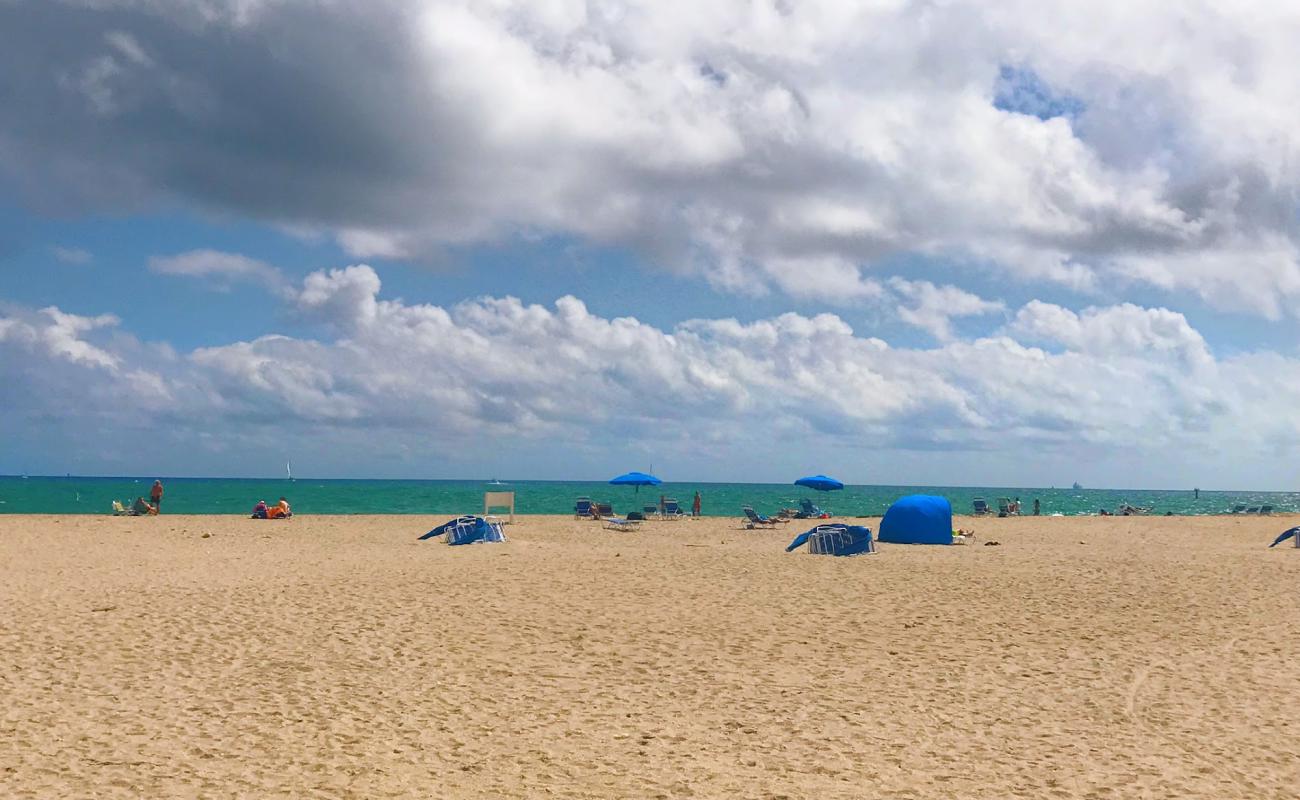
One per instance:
(695, 504)
(155, 495)
(1036, 506)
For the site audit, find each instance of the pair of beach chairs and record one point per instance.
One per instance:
(586, 508)
(807, 510)
(671, 510)
(753, 519)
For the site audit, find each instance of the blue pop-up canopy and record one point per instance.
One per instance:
(819, 482)
(918, 519)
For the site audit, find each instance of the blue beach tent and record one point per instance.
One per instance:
(918, 519)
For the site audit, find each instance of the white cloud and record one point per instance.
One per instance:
(1124, 382)
(757, 145)
(72, 255)
(126, 44)
(221, 269)
(56, 335)
(932, 308)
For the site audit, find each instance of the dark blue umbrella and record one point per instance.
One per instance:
(1287, 534)
(637, 479)
(819, 482)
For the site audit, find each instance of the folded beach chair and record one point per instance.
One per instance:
(757, 520)
(582, 508)
(620, 524)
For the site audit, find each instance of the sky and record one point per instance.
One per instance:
(943, 243)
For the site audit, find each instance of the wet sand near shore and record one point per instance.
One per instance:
(1120, 657)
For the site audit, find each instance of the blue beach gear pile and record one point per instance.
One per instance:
(467, 530)
(835, 540)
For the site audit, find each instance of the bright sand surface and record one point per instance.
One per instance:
(338, 657)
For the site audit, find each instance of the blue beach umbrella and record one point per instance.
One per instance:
(637, 479)
(820, 482)
(1286, 534)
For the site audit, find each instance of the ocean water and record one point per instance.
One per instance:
(79, 495)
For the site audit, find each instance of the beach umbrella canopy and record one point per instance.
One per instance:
(637, 479)
(819, 482)
(1286, 534)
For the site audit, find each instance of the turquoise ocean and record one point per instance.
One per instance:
(84, 495)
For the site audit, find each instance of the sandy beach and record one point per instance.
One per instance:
(339, 657)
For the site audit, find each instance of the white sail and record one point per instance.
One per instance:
(288, 469)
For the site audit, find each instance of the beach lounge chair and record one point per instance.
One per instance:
(604, 509)
(650, 512)
(980, 507)
(582, 508)
(808, 511)
(753, 519)
(1005, 508)
(1266, 509)
(120, 510)
(672, 510)
(620, 524)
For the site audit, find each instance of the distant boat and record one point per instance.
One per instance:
(1076, 485)
(495, 482)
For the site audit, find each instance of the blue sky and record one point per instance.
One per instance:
(559, 243)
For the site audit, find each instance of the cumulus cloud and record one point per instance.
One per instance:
(1122, 382)
(788, 147)
(932, 308)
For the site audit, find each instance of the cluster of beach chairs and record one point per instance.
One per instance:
(667, 510)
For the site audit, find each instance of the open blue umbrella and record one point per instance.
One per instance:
(637, 479)
(819, 482)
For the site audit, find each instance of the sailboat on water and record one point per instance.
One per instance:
(288, 470)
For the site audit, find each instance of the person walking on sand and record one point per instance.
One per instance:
(695, 504)
(155, 495)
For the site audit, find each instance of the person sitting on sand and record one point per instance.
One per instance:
(279, 510)
(142, 508)
(259, 510)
